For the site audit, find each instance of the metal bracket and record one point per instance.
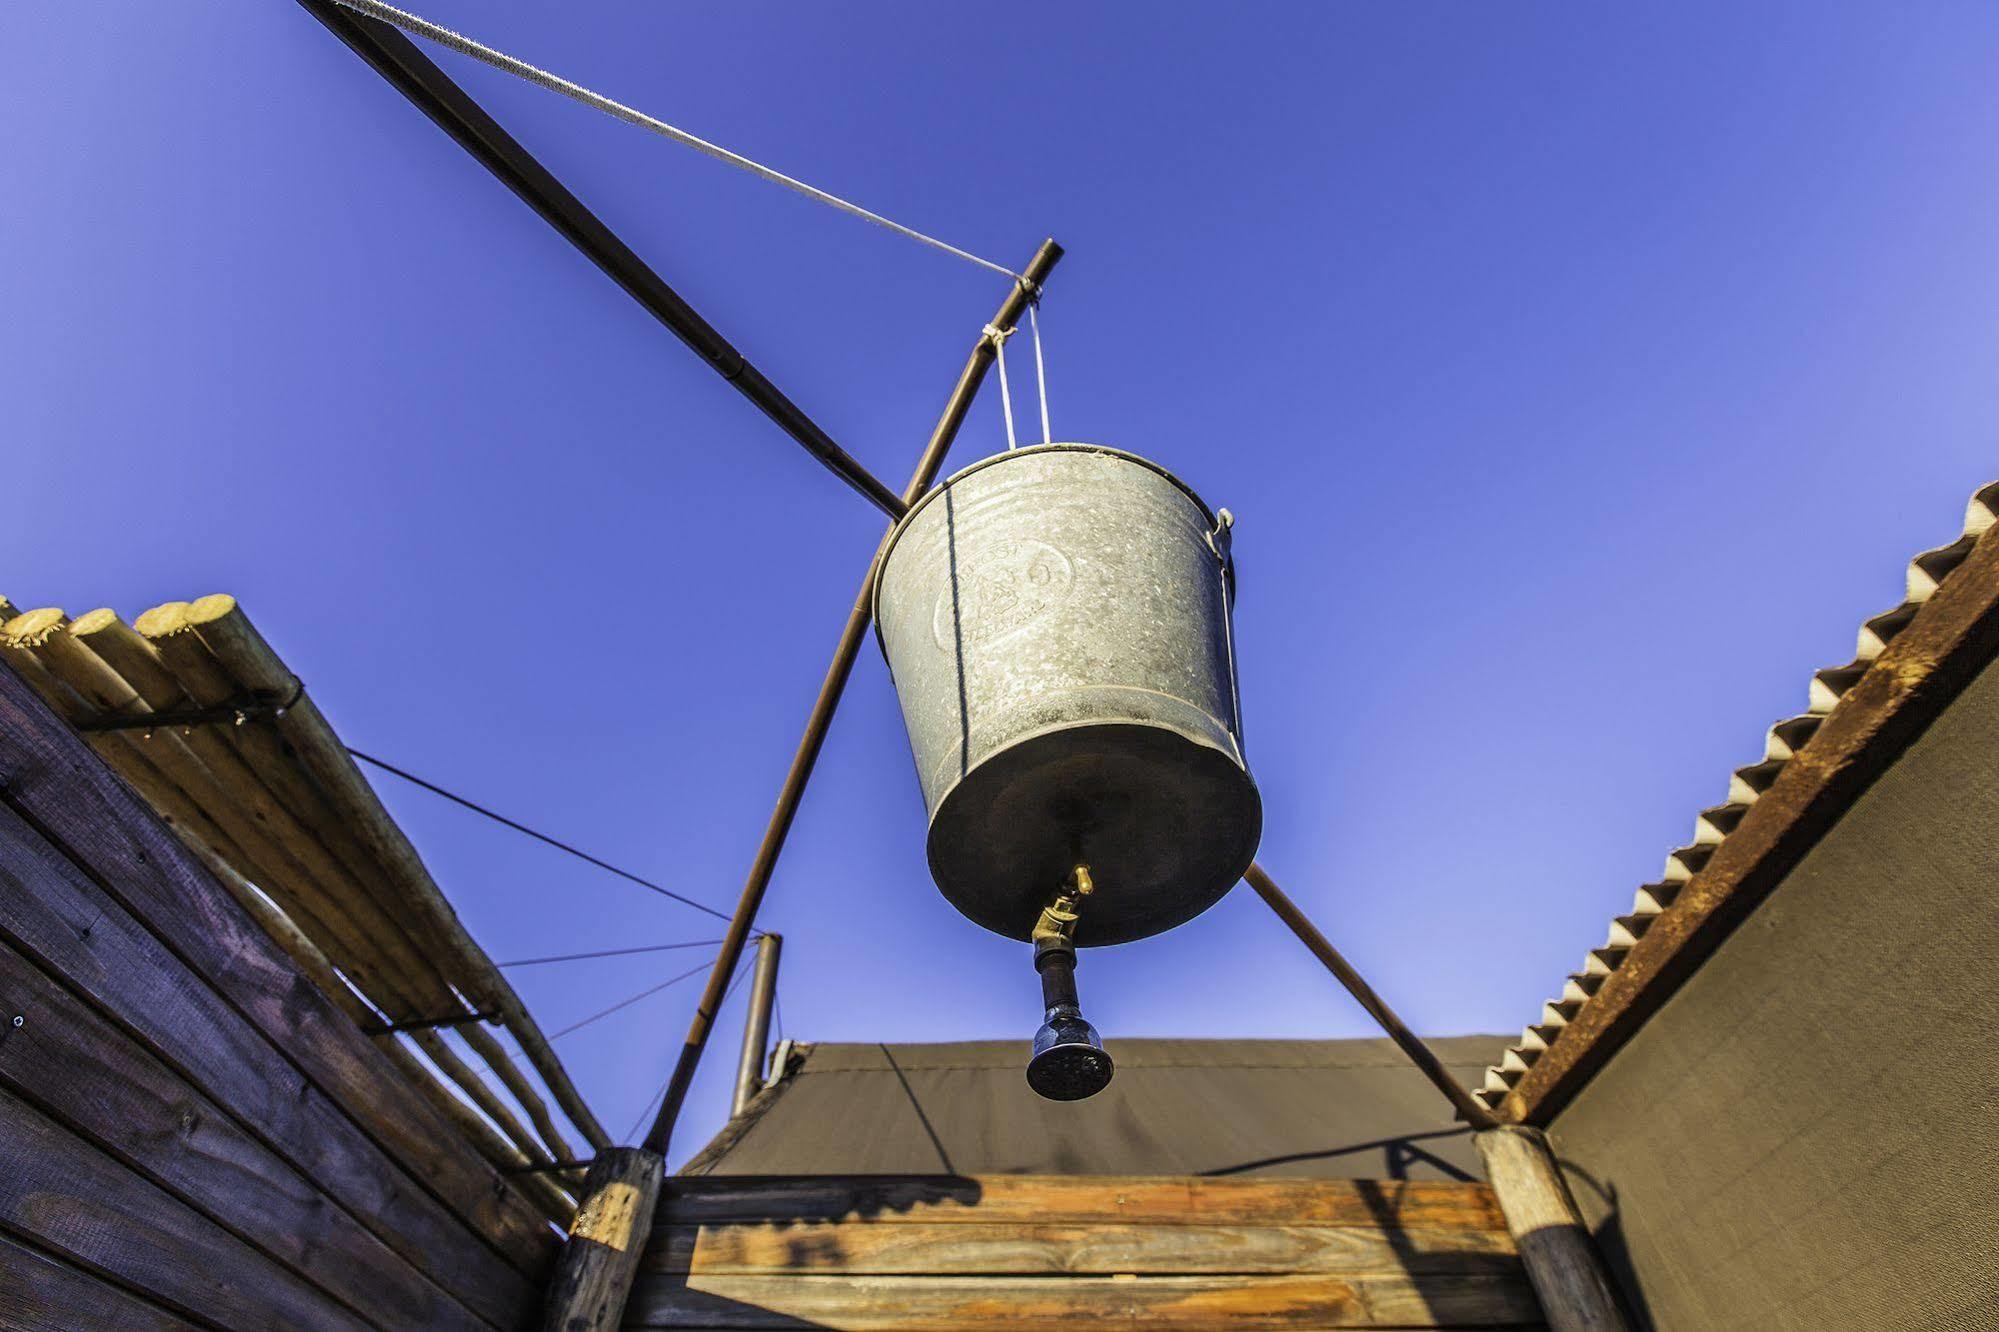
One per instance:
(256, 704)
(430, 1024)
(546, 1168)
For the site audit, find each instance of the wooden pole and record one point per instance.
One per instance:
(605, 1241)
(821, 720)
(397, 59)
(591, 1284)
(248, 659)
(1560, 1258)
(1425, 1059)
(756, 1025)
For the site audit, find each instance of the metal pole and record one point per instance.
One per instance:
(1425, 1059)
(397, 59)
(816, 726)
(756, 1025)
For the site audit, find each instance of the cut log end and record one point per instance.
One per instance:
(209, 609)
(32, 628)
(162, 620)
(93, 622)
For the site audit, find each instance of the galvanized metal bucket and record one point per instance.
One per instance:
(1057, 623)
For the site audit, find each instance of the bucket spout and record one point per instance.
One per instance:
(1069, 1062)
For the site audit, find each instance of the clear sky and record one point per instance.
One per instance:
(1581, 378)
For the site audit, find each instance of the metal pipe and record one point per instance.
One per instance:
(851, 638)
(1425, 1059)
(397, 59)
(756, 1024)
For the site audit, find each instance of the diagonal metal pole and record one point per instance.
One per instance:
(1425, 1059)
(835, 683)
(413, 74)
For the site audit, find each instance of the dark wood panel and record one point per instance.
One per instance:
(1078, 1199)
(41, 1293)
(855, 1249)
(55, 915)
(65, 1196)
(1015, 1302)
(51, 777)
(87, 1074)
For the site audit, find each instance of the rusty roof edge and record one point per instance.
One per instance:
(1742, 846)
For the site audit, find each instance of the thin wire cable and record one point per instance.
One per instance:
(645, 1112)
(611, 952)
(477, 808)
(1040, 370)
(628, 1002)
(541, 78)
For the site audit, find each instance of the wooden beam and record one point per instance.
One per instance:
(68, 927)
(42, 1293)
(397, 59)
(1561, 1260)
(308, 1077)
(605, 1241)
(63, 1195)
(1076, 1200)
(1095, 1248)
(1953, 636)
(94, 1079)
(1009, 1303)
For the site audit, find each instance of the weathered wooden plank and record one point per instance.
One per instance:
(1014, 1302)
(85, 1073)
(52, 777)
(71, 928)
(42, 1293)
(63, 1195)
(859, 1249)
(1078, 1199)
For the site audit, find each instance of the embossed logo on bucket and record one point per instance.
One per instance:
(1014, 585)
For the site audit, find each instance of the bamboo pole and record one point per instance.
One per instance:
(82, 686)
(285, 861)
(830, 690)
(316, 967)
(168, 628)
(248, 659)
(211, 687)
(292, 858)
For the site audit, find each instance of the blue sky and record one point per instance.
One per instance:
(1580, 378)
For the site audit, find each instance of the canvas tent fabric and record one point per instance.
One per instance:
(1351, 1109)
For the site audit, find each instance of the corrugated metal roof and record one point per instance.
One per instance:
(1351, 1109)
(1713, 825)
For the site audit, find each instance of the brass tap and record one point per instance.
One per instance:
(1057, 926)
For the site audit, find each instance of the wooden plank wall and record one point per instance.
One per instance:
(190, 1133)
(1014, 1251)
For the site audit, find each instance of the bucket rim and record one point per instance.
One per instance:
(909, 515)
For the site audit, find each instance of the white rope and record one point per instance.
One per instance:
(999, 337)
(1040, 370)
(445, 37)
